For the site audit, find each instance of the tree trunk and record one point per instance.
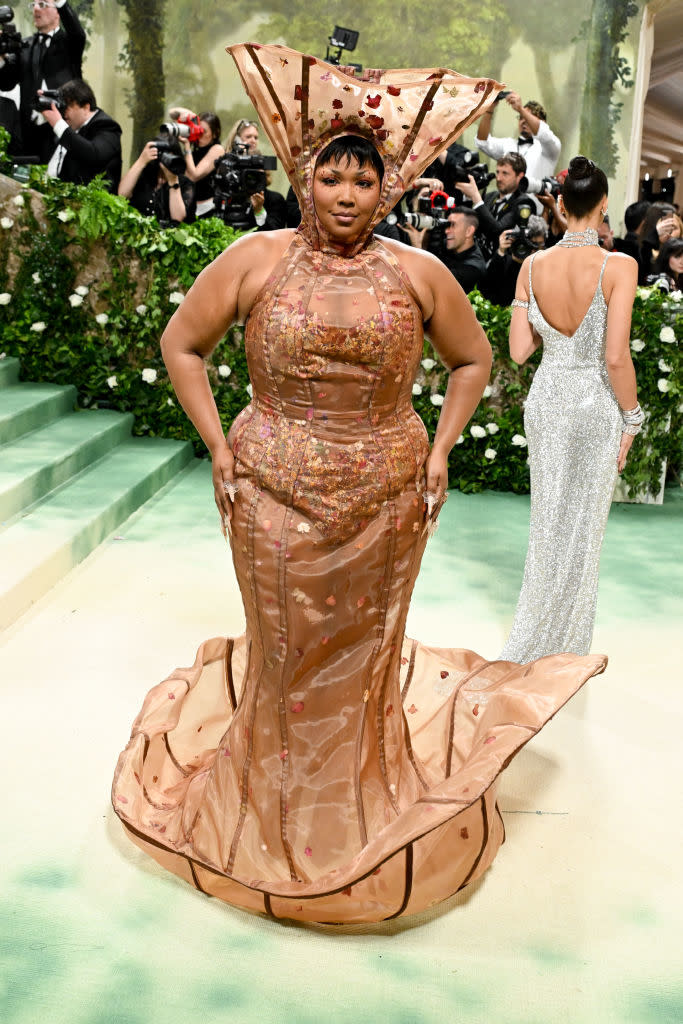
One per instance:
(604, 34)
(144, 54)
(109, 18)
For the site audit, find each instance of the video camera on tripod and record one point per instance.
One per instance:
(238, 176)
(10, 37)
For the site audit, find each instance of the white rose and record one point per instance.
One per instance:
(82, 290)
(141, 309)
(112, 381)
(417, 390)
(149, 376)
(643, 293)
(249, 390)
(176, 298)
(492, 428)
(6, 223)
(18, 200)
(663, 385)
(36, 277)
(428, 364)
(76, 300)
(488, 391)
(436, 399)
(5, 297)
(637, 345)
(65, 215)
(460, 439)
(664, 367)
(676, 296)
(169, 401)
(477, 431)
(102, 319)
(38, 326)
(667, 335)
(224, 370)
(490, 453)
(519, 440)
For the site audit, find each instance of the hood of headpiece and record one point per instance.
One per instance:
(410, 115)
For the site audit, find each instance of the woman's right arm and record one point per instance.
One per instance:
(523, 338)
(622, 278)
(223, 290)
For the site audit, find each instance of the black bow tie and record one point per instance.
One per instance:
(523, 141)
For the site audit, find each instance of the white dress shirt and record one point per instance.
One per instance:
(540, 152)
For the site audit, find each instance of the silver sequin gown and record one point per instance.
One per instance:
(573, 427)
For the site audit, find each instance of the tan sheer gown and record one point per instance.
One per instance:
(323, 766)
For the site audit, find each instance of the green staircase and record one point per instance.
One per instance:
(67, 480)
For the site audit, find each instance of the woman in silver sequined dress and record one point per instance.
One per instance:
(580, 417)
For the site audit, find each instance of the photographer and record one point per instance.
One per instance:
(48, 59)
(499, 210)
(514, 245)
(553, 216)
(158, 190)
(535, 142)
(200, 158)
(668, 274)
(89, 141)
(463, 256)
(634, 221)
(268, 208)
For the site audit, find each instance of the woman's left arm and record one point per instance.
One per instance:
(195, 172)
(462, 345)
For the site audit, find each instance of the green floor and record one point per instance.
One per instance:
(579, 919)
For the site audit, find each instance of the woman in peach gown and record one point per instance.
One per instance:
(323, 766)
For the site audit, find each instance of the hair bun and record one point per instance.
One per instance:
(581, 167)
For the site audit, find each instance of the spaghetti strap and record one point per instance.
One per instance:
(602, 270)
(531, 287)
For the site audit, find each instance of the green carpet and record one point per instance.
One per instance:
(578, 921)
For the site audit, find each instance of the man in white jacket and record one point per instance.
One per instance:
(535, 142)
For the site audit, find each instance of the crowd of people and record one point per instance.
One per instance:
(482, 234)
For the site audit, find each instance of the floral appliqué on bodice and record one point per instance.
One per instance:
(333, 344)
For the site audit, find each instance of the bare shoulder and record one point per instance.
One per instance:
(249, 253)
(261, 244)
(621, 267)
(621, 261)
(416, 262)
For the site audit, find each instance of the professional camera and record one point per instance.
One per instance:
(10, 37)
(168, 149)
(46, 98)
(468, 163)
(432, 212)
(184, 125)
(550, 187)
(502, 95)
(522, 246)
(660, 281)
(238, 176)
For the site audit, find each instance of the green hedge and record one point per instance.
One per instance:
(87, 285)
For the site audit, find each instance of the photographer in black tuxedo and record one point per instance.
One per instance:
(499, 211)
(88, 140)
(48, 59)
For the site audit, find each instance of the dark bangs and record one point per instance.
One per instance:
(348, 148)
